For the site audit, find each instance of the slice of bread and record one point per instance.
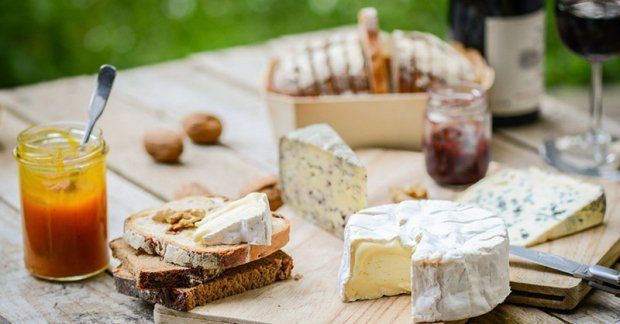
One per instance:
(150, 271)
(146, 235)
(338, 64)
(256, 274)
(370, 36)
(357, 71)
(421, 59)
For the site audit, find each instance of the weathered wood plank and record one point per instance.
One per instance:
(178, 88)
(124, 124)
(557, 118)
(507, 313)
(24, 299)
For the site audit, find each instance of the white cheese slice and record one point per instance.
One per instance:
(321, 176)
(538, 206)
(247, 220)
(451, 257)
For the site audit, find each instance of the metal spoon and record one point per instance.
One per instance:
(105, 79)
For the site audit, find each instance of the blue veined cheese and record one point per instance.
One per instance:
(538, 206)
(321, 177)
(451, 257)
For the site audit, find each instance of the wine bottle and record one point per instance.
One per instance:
(511, 36)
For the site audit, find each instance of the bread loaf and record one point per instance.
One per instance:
(355, 61)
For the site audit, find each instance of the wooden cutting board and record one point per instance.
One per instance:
(314, 296)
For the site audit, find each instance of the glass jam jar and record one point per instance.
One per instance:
(63, 199)
(457, 134)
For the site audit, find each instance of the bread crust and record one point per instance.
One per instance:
(207, 257)
(150, 271)
(370, 36)
(257, 274)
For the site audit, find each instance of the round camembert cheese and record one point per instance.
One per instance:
(451, 257)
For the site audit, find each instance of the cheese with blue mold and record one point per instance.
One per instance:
(321, 177)
(538, 206)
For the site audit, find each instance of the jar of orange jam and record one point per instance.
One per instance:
(63, 198)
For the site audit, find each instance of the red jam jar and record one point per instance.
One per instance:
(457, 133)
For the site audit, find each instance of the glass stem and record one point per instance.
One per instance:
(596, 97)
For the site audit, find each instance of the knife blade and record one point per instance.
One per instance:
(600, 277)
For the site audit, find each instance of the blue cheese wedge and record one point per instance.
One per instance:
(247, 220)
(538, 206)
(321, 177)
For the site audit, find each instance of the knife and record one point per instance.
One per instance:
(599, 277)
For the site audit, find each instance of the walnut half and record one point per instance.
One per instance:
(410, 192)
(179, 219)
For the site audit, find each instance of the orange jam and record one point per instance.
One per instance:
(63, 197)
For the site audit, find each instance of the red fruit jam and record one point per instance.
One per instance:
(457, 133)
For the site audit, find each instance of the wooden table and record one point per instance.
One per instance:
(225, 83)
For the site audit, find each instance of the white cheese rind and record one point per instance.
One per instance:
(538, 206)
(247, 220)
(458, 262)
(321, 177)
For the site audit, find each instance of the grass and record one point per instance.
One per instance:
(42, 40)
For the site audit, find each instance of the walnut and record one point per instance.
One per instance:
(202, 128)
(268, 185)
(416, 191)
(162, 214)
(163, 145)
(189, 189)
(179, 219)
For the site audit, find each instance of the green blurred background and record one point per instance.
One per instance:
(46, 39)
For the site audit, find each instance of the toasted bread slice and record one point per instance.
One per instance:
(256, 274)
(370, 35)
(150, 271)
(146, 235)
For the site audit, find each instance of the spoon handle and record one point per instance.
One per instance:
(105, 79)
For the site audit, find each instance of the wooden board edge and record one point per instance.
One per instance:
(164, 315)
(567, 300)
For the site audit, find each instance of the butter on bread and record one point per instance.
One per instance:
(146, 235)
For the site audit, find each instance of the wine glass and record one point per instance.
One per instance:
(589, 28)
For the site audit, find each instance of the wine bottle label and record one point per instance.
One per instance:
(515, 47)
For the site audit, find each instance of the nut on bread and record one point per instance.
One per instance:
(146, 235)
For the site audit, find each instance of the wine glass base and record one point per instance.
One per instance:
(593, 153)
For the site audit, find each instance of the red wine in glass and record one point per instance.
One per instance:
(590, 27)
